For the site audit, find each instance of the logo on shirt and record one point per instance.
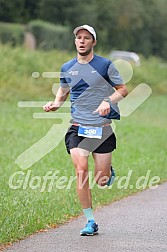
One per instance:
(73, 72)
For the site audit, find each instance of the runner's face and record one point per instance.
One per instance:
(84, 42)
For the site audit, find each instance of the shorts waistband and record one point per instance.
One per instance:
(103, 125)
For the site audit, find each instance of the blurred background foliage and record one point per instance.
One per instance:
(132, 25)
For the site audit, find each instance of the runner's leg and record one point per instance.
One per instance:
(102, 167)
(80, 161)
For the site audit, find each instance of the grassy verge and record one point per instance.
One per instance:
(28, 208)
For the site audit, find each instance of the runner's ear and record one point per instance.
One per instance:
(94, 42)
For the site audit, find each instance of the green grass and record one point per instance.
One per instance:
(141, 146)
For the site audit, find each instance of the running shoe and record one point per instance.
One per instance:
(111, 179)
(91, 228)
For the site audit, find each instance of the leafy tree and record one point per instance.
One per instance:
(18, 11)
(11, 11)
(135, 25)
(71, 12)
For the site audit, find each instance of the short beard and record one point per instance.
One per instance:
(85, 53)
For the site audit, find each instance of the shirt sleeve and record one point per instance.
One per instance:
(113, 75)
(64, 80)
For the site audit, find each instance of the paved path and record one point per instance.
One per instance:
(137, 223)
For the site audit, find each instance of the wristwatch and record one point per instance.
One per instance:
(107, 99)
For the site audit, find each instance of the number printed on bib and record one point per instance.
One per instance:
(90, 132)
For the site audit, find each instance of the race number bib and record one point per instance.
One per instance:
(90, 132)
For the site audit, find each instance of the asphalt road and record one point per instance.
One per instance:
(137, 223)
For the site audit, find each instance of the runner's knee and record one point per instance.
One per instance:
(101, 178)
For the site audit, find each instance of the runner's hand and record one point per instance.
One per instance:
(103, 109)
(50, 106)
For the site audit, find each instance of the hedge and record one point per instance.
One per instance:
(49, 36)
(12, 34)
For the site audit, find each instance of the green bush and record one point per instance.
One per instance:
(12, 34)
(49, 36)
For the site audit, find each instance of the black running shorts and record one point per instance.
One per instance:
(104, 145)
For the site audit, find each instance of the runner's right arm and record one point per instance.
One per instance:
(61, 97)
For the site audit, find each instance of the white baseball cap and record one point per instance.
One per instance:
(85, 27)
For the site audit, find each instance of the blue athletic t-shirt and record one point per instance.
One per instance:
(89, 84)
